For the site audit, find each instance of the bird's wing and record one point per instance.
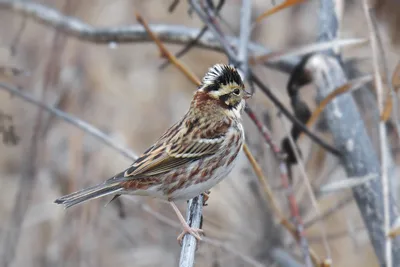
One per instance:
(177, 148)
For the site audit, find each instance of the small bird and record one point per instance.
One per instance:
(190, 157)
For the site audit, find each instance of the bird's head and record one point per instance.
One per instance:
(224, 84)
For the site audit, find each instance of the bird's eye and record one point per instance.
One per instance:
(236, 91)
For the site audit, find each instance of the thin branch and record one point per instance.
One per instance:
(223, 42)
(192, 43)
(86, 127)
(330, 211)
(293, 119)
(346, 88)
(194, 218)
(307, 49)
(309, 189)
(382, 137)
(277, 8)
(165, 53)
(245, 33)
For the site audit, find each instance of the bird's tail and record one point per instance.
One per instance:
(93, 192)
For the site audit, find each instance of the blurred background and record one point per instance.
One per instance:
(120, 89)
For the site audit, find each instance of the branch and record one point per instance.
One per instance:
(349, 133)
(384, 154)
(359, 158)
(194, 218)
(86, 127)
(245, 32)
(174, 34)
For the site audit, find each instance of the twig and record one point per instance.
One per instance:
(192, 43)
(245, 32)
(17, 37)
(346, 88)
(293, 119)
(88, 128)
(173, 5)
(382, 137)
(223, 42)
(340, 204)
(165, 53)
(277, 8)
(307, 49)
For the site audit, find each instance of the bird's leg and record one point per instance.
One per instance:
(186, 228)
(206, 196)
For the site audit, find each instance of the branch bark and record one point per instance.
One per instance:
(359, 157)
(194, 219)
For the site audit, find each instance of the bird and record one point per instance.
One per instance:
(192, 156)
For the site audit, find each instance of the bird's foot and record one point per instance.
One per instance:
(196, 232)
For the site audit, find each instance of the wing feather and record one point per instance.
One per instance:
(176, 149)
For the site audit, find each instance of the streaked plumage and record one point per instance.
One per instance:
(193, 155)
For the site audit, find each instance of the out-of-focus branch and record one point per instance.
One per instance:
(127, 34)
(281, 107)
(383, 144)
(298, 235)
(359, 158)
(245, 33)
(192, 43)
(284, 259)
(88, 128)
(349, 134)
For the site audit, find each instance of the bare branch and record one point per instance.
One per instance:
(245, 33)
(194, 219)
(382, 138)
(359, 158)
(340, 204)
(175, 34)
(88, 128)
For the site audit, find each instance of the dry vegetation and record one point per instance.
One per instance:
(120, 89)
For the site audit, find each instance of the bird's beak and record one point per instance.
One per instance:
(247, 95)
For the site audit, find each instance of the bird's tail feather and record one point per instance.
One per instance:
(93, 192)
